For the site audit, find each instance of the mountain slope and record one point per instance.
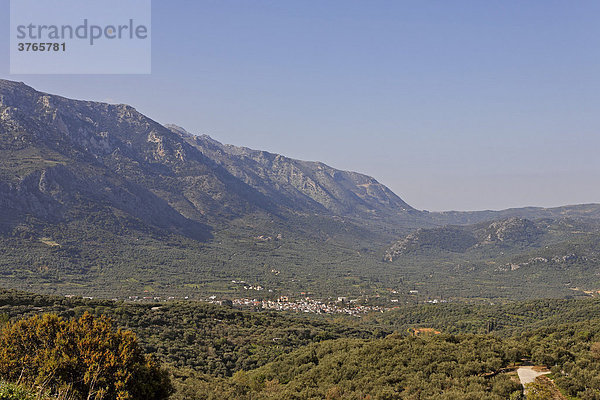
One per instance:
(301, 185)
(113, 155)
(589, 211)
(97, 198)
(59, 155)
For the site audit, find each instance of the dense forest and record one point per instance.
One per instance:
(216, 352)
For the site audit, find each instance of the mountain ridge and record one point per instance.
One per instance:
(315, 187)
(309, 183)
(120, 140)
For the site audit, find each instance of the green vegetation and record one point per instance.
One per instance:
(215, 352)
(79, 359)
(211, 339)
(443, 367)
(102, 201)
(73, 258)
(435, 367)
(17, 164)
(97, 200)
(11, 391)
(543, 389)
(500, 319)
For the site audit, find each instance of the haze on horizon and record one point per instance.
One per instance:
(464, 105)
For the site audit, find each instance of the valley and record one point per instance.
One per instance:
(251, 275)
(292, 200)
(186, 215)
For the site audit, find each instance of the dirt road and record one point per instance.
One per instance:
(528, 374)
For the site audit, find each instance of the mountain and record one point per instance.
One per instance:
(98, 199)
(471, 217)
(502, 259)
(60, 154)
(64, 159)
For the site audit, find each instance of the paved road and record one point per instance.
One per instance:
(528, 375)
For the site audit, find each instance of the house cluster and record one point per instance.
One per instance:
(308, 305)
(250, 287)
(151, 298)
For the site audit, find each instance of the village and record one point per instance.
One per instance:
(308, 305)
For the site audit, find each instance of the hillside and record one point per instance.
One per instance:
(48, 141)
(64, 159)
(508, 232)
(512, 258)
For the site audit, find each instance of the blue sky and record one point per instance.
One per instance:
(453, 104)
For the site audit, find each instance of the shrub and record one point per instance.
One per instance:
(84, 358)
(10, 391)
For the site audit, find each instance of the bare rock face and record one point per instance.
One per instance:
(301, 185)
(62, 159)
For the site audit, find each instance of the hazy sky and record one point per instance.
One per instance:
(452, 104)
